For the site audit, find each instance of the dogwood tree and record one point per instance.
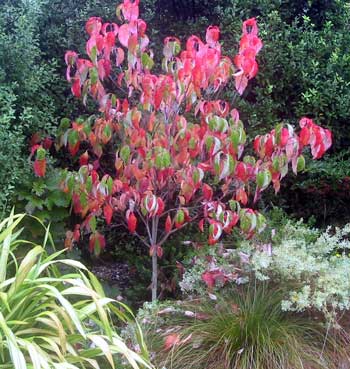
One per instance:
(164, 150)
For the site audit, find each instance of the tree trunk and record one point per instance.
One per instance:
(154, 276)
(153, 240)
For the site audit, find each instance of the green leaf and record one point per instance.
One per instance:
(24, 268)
(300, 163)
(103, 346)
(6, 238)
(125, 153)
(65, 124)
(93, 75)
(40, 154)
(147, 61)
(67, 306)
(16, 354)
(73, 137)
(92, 224)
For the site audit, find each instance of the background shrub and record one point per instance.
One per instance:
(27, 100)
(315, 263)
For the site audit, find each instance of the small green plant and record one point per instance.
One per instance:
(53, 317)
(247, 330)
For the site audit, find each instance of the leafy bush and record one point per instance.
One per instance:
(43, 198)
(245, 329)
(319, 262)
(305, 62)
(52, 317)
(305, 58)
(27, 102)
(324, 184)
(316, 263)
(13, 165)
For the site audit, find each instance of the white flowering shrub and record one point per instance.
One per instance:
(315, 264)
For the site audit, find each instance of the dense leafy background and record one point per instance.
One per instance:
(304, 70)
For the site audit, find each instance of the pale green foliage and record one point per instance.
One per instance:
(192, 284)
(315, 263)
(318, 262)
(50, 319)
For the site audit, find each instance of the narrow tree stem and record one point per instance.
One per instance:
(154, 276)
(154, 257)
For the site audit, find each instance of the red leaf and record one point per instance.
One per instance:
(34, 148)
(132, 222)
(269, 147)
(241, 196)
(73, 149)
(257, 144)
(110, 39)
(119, 58)
(171, 340)
(108, 213)
(76, 233)
(250, 27)
(70, 57)
(152, 249)
(212, 35)
(84, 159)
(35, 141)
(241, 172)
(168, 224)
(141, 27)
(207, 192)
(76, 203)
(305, 136)
(101, 240)
(241, 82)
(215, 230)
(130, 10)
(40, 167)
(47, 143)
(124, 34)
(76, 90)
(93, 25)
(209, 279)
(159, 251)
(101, 69)
(284, 137)
(160, 206)
(201, 225)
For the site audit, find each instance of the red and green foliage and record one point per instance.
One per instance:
(175, 150)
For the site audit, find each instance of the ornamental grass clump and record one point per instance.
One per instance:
(55, 320)
(246, 329)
